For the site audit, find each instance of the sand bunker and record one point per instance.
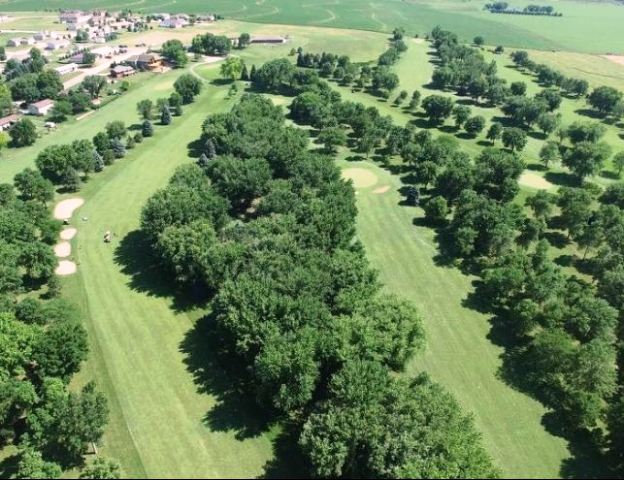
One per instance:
(383, 189)
(68, 233)
(65, 267)
(62, 249)
(533, 180)
(65, 209)
(619, 59)
(361, 177)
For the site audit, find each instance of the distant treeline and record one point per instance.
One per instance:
(503, 7)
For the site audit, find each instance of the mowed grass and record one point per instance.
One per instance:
(585, 27)
(459, 353)
(159, 417)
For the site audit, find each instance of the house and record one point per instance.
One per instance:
(41, 36)
(27, 41)
(65, 69)
(14, 42)
(75, 19)
(121, 71)
(57, 45)
(7, 122)
(40, 108)
(174, 22)
(103, 52)
(146, 61)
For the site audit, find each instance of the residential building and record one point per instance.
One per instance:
(57, 45)
(41, 107)
(7, 122)
(121, 71)
(14, 42)
(65, 69)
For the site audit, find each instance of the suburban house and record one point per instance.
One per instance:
(75, 19)
(57, 44)
(103, 52)
(14, 42)
(121, 71)
(40, 36)
(7, 122)
(65, 69)
(174, 22)
(40, 108)
(27, 41)
(146, 61)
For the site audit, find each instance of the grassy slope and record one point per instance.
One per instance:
(459, 353)
(593, 27)
(158, 423)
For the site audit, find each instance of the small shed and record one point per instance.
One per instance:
(7, 122)
(40, 108)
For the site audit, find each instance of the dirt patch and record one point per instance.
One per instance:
(65, 267)
(533, 180)
(619, 59)
(62, 249)
(68, 233)
(418, 40)
(381, 190)
(85, 115)
(65, 209)
(360, 177)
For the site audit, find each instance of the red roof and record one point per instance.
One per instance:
(42, 103)
(9, 119)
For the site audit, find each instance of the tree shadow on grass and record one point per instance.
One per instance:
(288, 461)
(221, 375)
(562, 179)
(134, 255)
(8, 466)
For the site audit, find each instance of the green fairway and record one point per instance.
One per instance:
(158, 425)
(459, 353)
(585, 27)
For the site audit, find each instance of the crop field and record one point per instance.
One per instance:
(596, 29)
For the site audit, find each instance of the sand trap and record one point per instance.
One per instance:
(533, 180)
(382, 189)
(619, 59)
(65, 267)
(65, 209)
(361, 177)
(62, 249)
(68, 233)
(418, 40)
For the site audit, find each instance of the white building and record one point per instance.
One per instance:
(57, 45)
(14, 42)
(28, 41)
(41, 107)
(65, 69)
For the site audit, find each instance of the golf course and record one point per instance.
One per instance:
(174, 409)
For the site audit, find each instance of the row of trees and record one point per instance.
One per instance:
(42, 344)
(266, 229)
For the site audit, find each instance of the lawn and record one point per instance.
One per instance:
(586, 27)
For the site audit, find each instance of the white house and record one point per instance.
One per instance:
(41, 107)
(103, 52)
(65, 69)
(57, 44)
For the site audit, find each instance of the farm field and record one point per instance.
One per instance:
(162, 421)
(581, 29)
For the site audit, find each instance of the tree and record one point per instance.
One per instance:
(101, 468)
(209, 149)
(436, 209)
(32, 465)
(586, 158)
(618, 162)
(474, 125)
(239, 181)
(23, 133)
(232, 68)
(575, 205)
(244, 39)
(118, 148)
(478, 41)
(461, 113)
(548, 123)
(145, 109)
(331, 137)
(32, 186)
(494, 132)
(94, 84)
(415, 100)
(518, 88)
(188, 87)
(116, 129)
(542, 204)
(61, 110)
(98, 161)
(165, 115)
(604, 99)
(244, 76)
(549, 153)
(174, 52)
(147, 129)
(585, 132)
(437, 107)
(514, 138)
(88, 58)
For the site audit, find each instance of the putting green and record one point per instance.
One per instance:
(360, 177)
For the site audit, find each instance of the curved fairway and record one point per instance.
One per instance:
(459, 353)
(159, 425)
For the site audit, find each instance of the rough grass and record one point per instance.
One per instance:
(585, 26)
